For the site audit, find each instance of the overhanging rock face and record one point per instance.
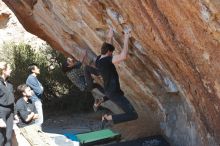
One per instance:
(172, 73)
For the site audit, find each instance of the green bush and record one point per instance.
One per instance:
(59, 92)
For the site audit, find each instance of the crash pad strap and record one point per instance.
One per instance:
(97, 136)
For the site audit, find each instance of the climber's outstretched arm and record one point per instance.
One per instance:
(83, 56)
(109, 38)
(123, 55)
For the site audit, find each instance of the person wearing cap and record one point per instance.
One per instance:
(105, 63)
(81, 76)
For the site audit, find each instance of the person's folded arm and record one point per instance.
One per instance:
(33, 83)
(30, 117)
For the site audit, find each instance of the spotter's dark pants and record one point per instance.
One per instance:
(6, 133)
(129, 112)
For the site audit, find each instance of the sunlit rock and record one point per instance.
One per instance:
(172, 73)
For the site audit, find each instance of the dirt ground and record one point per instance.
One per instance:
(56, 125)
(61, 123)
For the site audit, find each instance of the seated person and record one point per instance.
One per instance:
(81, 77)
(27, 114)
(26, 110)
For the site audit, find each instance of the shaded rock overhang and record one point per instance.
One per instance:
(172, 73)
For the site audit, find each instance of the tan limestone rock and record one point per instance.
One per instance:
(172, 73)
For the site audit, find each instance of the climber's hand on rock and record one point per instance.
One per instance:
(127, 31)
(127, 34)
(110, 32)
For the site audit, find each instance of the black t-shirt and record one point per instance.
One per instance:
(23, 109)
(6, 93)
(6, 98)
(109, 74)
(77, 65)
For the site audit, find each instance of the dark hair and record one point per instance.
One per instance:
(31, 67)
(21, 88)
(107, 47)
(65, 67)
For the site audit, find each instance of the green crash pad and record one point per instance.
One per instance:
(98, 137)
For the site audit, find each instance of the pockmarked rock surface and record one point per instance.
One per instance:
(172, 73)
(11, 31)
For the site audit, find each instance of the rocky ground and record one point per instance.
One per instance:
(61, 123)
(58, 124)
